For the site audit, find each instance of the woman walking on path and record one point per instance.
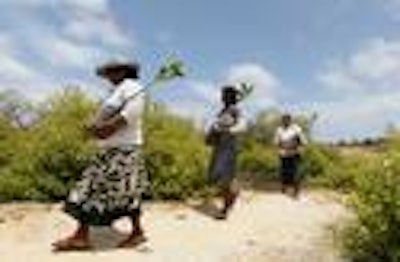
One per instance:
(222, 137)
(113, 184)
(290, 139)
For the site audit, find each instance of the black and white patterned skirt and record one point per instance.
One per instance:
(112, 186)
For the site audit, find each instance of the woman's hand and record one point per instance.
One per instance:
(105, 129)
(212, 136)
(104, 132)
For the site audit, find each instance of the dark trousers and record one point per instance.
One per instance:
(289, 170)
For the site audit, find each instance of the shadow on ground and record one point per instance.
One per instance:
(106, 239)
(207, 208)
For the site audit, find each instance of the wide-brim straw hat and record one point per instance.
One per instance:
(112, 67)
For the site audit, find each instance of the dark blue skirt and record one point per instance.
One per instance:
(223, 163)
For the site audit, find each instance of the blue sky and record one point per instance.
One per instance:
(339, 58)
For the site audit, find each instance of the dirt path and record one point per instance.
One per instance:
(263, 227)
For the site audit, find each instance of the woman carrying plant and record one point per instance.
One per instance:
(113, 184)
(223, 138)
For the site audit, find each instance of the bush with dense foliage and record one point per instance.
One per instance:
(176, 156)
(374, 235)
(331, 169)
(258, 160)
(41, 162)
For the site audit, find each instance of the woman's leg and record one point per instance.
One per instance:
(73, 206)
(289, 174)
(79, 240)
(137, 235)
(296, 176)
(82, 233)
(137, 229)
(284, 168)
(229, 195)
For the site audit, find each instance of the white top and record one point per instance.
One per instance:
(289, 134)
(234, 125)
(132, 133)
(239, 127)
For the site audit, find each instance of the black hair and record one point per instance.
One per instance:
(287, 118)
(231, 94)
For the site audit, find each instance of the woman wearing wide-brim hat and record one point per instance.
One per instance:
(113, 184)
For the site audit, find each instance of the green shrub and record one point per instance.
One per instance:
(375, 234)
(339, 175)
(331, 168)
(259, 161)
(49, 156)
(176, 155)
(7, 140)
(316, 161)
(16, 187)
(42, 162)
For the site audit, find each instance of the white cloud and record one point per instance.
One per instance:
(265, 82)
(61, 52)
(255, 74)
(337, 80)
(200, 100)
(64, 38)
(363, 91)
(374, 68)
(205, 91)
(356, 117)
(379, 60)
(96, 7)
(95, 28)
(14, 73)
(13, 70)
(194, 99)
(25, 79)
(92, 21)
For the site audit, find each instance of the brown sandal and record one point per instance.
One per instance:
(133, 241)
(71, 244)
(221, 215)
(229, 202)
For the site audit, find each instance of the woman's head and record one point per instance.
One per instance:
(117, 72)
(230, 95)
(286, 120)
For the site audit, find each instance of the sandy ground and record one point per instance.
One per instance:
(263, 227)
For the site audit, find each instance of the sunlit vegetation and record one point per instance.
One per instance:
(44, 148)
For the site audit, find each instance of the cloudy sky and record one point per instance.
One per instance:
(339, 58)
